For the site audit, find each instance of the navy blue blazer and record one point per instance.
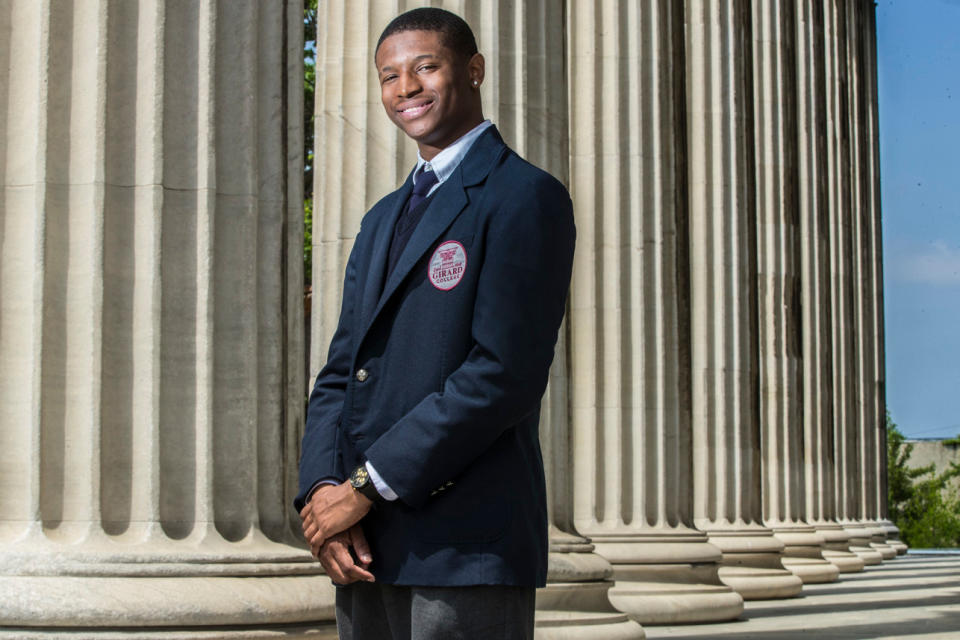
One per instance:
(455, 348)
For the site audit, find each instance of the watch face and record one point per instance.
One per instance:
(359, 477)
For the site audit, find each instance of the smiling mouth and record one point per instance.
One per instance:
(415, 111)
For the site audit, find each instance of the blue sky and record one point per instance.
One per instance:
(918, 43)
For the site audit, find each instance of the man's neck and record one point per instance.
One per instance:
(428, 152)
(447, 159)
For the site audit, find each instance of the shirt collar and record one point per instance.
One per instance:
(447, 160)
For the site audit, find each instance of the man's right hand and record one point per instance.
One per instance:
(334, 554)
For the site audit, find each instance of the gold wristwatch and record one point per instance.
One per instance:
(360, 480)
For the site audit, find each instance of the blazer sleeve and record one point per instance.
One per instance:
(520, 302)
(319, 451)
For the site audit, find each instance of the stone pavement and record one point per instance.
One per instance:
(913, 596)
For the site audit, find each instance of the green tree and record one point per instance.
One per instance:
(309, 86)
(921, 501)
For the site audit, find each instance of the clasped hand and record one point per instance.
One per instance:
(330, 527)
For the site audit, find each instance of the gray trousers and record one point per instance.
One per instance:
(372, 611)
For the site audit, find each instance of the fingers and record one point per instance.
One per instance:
(332, 509)
(316, 537)
(360, 546)
(323, 527)
(306, 515)
(309, 533)
(339, 564)
(310, 523)
(332, 567)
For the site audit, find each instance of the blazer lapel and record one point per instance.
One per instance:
(448, 201)
(373, 288)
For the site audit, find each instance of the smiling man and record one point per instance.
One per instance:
(421, 480)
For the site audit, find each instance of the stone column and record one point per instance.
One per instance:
(726, 451)
(871, 141)
(151, 303)
(360, 155)
(815, 263)
(778, 235)
(847, 436)
(575, 602)
(525, 95)
(865, 344)
(629, 320)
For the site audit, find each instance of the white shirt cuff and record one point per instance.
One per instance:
(382, 487)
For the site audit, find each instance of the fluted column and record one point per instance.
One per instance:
(865, 344)
(524, 94)
(629, 355)
(360, 155)
(151, 292)
(815, 264)
(575, 602)
(874, 286)
(847, 435)
(726, 452)
(781, 400)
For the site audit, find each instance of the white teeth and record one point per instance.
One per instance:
(416, 108)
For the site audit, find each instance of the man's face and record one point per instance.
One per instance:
(427, 91)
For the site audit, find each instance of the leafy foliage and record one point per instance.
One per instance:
(309, 86)
(307, 240)
(922, 502)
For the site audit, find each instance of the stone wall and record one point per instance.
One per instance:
(935, 452)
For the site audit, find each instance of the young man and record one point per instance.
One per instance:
(421, 480)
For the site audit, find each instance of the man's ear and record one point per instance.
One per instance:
(475, 70)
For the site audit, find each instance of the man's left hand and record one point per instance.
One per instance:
(332, 509)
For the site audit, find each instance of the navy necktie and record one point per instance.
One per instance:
(421, 187)
(409, 217)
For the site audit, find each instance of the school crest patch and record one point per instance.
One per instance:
(447, 265)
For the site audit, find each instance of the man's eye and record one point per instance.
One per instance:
(427, 67)
(387, 79)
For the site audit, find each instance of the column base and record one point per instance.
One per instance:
(802, 553)
(668, 576)
(837, 548)
(893, 536)
(201, 587)
(575, 610)
(261, 606)
(752, 564)
(575, 602)
(845, 561)
(674, 594)
(754, 583)
(812, 570)
(870, 557)
(878, 540)
(320, 631)
(886, 551)
(860, 539)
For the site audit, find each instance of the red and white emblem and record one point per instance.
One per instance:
(447, 266)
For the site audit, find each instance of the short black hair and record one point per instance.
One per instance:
(454, 31)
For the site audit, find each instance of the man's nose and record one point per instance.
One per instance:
(409, 85)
